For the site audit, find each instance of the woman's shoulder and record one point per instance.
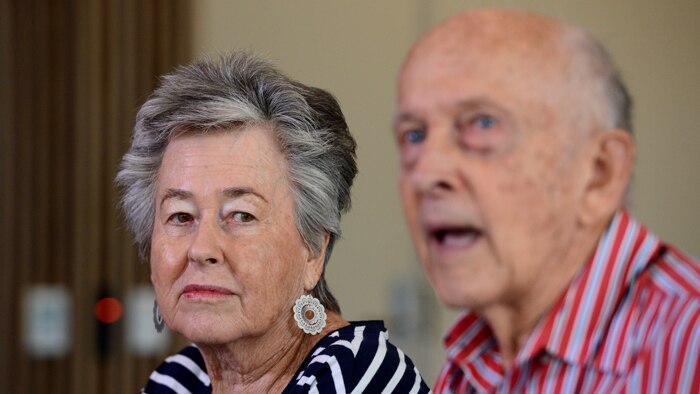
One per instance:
(180, 373)
(360, 358)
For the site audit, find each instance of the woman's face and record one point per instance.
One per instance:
(227, 261)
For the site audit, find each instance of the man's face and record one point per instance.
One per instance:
(490, 172)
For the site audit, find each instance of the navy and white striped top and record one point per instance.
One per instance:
(357, 358)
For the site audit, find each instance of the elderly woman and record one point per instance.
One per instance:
(233, 187)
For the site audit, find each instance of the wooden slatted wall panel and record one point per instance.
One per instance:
(8, 312)
(72, 75)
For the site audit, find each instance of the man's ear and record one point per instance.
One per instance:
(314, 265)
(612, 160)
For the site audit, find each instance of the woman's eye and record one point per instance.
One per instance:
(180, 218)
(414, 136)
(243, 217)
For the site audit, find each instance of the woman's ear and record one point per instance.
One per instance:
(612, 160)
(314, 265)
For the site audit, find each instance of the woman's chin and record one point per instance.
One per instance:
(208, 330)
(207, 336)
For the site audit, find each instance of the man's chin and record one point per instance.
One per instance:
(457, 294)
(451, 296)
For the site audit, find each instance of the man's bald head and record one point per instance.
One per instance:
(560, 62)
(513, 155)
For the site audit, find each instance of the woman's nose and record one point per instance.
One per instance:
(205, 247)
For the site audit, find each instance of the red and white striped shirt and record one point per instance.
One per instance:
(629, 323)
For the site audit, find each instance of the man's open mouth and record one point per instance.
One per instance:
(455, 236)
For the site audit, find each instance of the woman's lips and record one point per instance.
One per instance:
(204, 291)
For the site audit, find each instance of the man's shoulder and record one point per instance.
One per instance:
(675, 274)
(669, 302)
(669, 324)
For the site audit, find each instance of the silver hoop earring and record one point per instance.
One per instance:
(158, 321)
(309, 314)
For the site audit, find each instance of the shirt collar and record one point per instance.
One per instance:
(468, 338)
(576, 326)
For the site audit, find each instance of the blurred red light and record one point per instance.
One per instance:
(108, 310)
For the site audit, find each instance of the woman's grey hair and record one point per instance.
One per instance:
(235, 91)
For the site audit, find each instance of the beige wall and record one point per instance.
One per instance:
(354, 48)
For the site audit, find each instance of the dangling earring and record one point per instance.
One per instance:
(309, 314)
(157, 317)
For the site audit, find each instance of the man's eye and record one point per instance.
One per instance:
(414, 137)
(243, 217)
(180, 218)
(485, 121)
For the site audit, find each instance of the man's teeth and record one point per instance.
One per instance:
(456, 238)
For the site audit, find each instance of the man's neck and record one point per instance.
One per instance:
(513, 321)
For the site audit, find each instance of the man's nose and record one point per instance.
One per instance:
(434, 168)
(205, 247)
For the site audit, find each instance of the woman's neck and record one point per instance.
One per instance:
(263, 364)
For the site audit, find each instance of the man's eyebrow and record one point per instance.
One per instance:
(459, 105)
(177, 194)
(478, 102)
(235, 192)
(404, 117)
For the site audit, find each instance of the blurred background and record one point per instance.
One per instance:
(75, 302)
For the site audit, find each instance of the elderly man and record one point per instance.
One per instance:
(516, 152)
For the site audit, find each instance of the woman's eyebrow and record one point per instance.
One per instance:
(236, 192)
(177, 194)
